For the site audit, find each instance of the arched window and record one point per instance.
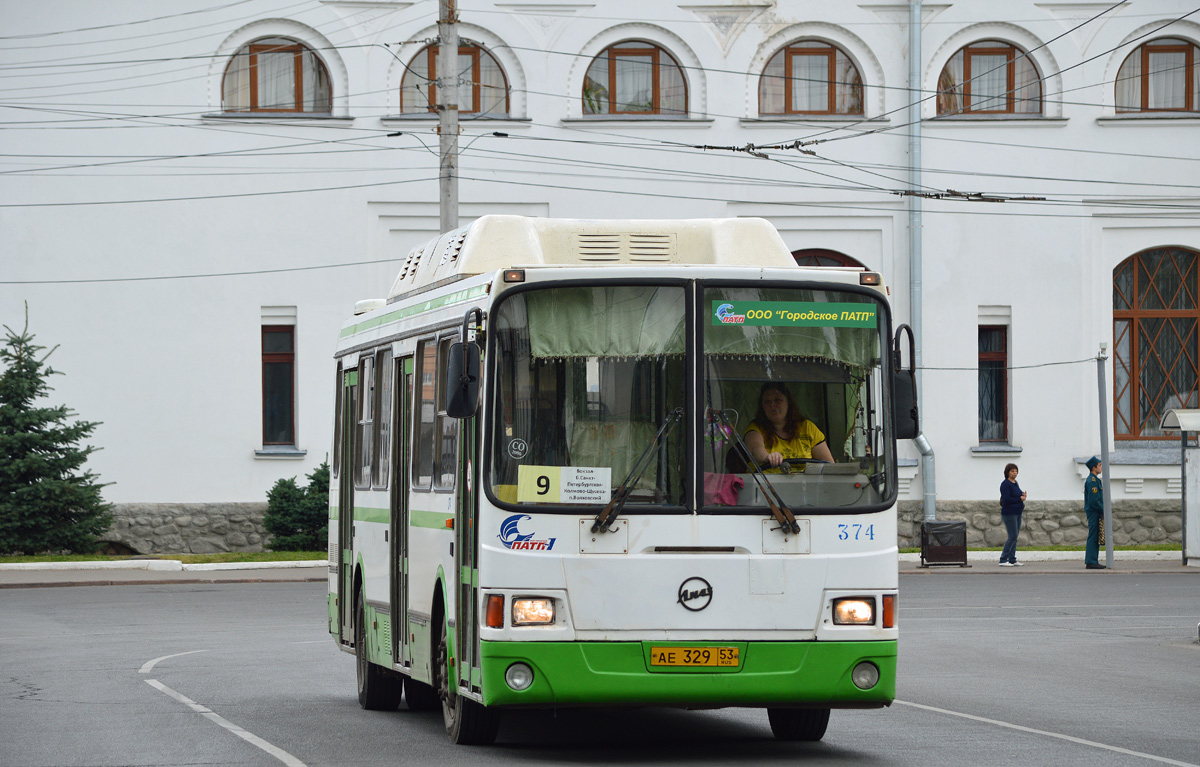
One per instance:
(989, 77)
(810, 77)
(275, 74)
(822, 257)
(1160, 76)
(482, 86)
(635, 78)
(1156, 330)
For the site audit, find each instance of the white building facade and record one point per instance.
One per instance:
(193, 198)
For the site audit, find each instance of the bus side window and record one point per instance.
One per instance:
(423, 438)
(384, 374)
(365, 432)
(445, 428)
(337, 421)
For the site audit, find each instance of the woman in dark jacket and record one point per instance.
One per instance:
(1012, 503)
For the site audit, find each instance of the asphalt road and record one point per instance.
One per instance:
(1066, 669)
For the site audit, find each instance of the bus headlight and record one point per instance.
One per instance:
(854, 611)
(532, 612)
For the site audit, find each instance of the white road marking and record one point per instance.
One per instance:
(1060, 736)
(249, 737)
(150, 663)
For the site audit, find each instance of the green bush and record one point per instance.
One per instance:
(298, 517)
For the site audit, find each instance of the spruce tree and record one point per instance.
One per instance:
(298, 517)
(47, 502)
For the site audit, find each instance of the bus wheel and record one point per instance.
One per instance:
(377, 689)
(467, 723)
(798, 723)
(420, 696)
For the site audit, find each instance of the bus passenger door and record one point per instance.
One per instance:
(465, 529)
(346, 474)
(401, 460)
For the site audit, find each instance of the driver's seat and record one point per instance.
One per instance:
(734, 463)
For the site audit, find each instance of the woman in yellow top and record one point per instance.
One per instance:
(779, 431)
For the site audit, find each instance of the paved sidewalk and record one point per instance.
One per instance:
(156, 571)
(160, 571)
(1043, 562)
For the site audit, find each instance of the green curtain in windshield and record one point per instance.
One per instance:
(853, 347)
(616, 321)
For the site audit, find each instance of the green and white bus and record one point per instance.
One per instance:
(543, 493)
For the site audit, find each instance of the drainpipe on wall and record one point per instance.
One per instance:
(914, 245)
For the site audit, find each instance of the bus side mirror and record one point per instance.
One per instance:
(904, 389)
(462, 380)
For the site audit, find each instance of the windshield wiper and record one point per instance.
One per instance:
(606, 517)
(783, 515)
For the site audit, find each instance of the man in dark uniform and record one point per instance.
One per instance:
(1093, 506)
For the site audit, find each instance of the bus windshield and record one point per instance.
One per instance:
(790, 404)
(794, 397)
(585, 378)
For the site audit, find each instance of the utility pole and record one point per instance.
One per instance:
(1108, 529)
(447, 108)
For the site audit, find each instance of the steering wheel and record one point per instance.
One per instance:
(794, 461)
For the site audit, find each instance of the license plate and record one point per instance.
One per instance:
(694, 656)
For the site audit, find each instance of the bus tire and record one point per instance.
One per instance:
(798, 723)
(378, 690)
(467, 723)
(420, 696)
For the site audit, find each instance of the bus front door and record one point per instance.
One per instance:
(398, 560)
(346, 507)
(465, 529)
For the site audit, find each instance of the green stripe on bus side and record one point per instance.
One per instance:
(367, 514)
(431, 519)
(424, 306)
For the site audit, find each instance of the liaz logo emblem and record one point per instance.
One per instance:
(726, 316)
(695, 594)
(512, 538)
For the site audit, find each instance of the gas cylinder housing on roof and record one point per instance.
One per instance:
(493, 243)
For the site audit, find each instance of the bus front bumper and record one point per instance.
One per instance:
(769, 674)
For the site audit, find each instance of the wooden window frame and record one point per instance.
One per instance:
(1189, 52)
(1010, 54)
(277, 357)
(830, 53)
(1133, 316)
(656, 54)
(475, 52)
(1002, 358)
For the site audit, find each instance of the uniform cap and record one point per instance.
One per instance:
(1093, 462)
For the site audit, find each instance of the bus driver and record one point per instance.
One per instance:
(780, 432)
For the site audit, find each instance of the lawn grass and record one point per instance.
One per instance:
(187, 559)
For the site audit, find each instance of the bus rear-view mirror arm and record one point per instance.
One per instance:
(462, 370)
(904, 387)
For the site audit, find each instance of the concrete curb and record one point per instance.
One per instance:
(161, 565)
(1063, 556)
